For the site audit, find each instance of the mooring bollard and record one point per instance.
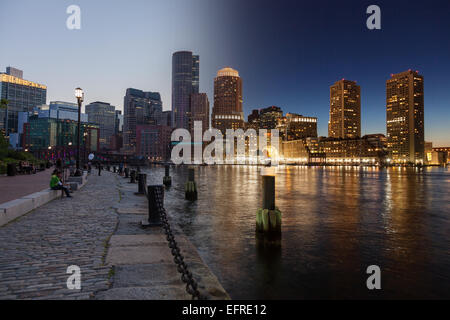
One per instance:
(268, 218)
(133, 176)
(142, 183)
(155, 195)
(167, 180)
(191, 187)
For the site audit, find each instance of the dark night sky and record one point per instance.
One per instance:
(290, 52)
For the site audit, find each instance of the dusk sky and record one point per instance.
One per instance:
(288, 53)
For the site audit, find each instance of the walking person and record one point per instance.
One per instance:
(56, 184)
(99, 169)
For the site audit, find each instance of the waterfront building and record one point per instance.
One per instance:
(345, 110)
(199, 111)
(295, 126)
(140, 108)
(104, 115)
(295, 151)
(269, 117)
(439, 156)
(185, 81)
(405, 117)
(63, 110)
(379, 140)
(253, 120)
(335, 151)
(153, 142)
(227, 110)
(351, 151)
(22, 96)
(47, 132)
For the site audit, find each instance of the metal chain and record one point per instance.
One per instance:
(186, 275)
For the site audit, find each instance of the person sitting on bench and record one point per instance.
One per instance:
(56, 184)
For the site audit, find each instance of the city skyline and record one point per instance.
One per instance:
(308, 98)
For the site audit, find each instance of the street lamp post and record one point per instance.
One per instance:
(79, 94)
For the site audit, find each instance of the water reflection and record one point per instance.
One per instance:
(336, 221)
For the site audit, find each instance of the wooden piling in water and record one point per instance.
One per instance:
(268, 218)
(167, 180)
(190, 186)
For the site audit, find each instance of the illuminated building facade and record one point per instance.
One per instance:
(268, 117)
(334, 151)
(294, 126)
(352, 151)
(345, 110)
(405, 117)
(22, 96)
(227, 111)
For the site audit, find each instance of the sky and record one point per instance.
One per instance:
(288, 52)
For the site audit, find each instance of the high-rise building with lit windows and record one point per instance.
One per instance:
(22, 96)
(405, 117)
(227, 111)
(345, 110)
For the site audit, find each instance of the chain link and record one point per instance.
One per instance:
(186, 275)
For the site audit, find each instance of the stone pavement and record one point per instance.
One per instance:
(37, 248)
(99, 231)
(142, 262)
(18, 186)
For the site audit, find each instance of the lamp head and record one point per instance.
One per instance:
(79, 94)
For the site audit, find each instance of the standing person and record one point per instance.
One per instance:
(56, 184)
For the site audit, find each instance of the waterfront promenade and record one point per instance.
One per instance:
(21, 185)
(97, 230)
(37, 248)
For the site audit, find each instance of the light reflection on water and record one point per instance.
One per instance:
(336, 221)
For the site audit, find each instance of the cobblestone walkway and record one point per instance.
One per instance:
(36, 249)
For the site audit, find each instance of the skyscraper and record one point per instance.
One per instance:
(22, 96)
(195, 73)
(185, 80)
(227, 111)
(103, 114)
(199, 110)
(140, 108)
(345, 110)
(405, 117)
